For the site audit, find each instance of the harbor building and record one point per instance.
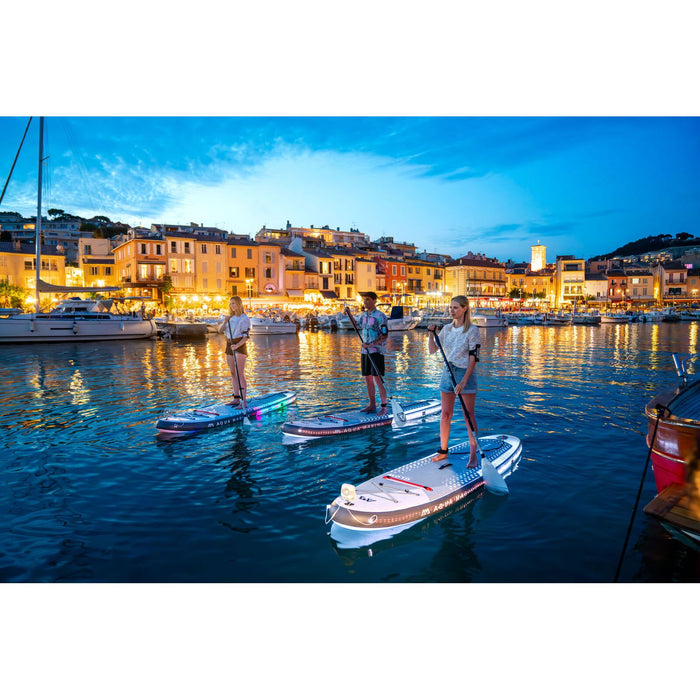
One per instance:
(477, 277)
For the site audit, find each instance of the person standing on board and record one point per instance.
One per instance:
(461, 342)
(374, 330)
(236, 328)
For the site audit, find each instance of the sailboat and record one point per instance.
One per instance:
(74, 319)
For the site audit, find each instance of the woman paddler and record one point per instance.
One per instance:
(236, 328)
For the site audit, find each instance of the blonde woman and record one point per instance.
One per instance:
(236, 328)
(461, 342)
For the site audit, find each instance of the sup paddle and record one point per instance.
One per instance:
(493, 480)
(246, 422)
(396, 409)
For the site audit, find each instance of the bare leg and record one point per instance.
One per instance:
(369, 381)
(382, 393)
(447, 400)
(241, 359)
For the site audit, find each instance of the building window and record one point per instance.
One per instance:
(268, 274)
(249, 251)
(187, 246)
(173, 246)
(108, 270)
(157, 248)
(144, 249)
(204, 248)
(233, 272)
(217, 249)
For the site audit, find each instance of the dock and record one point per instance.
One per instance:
(675, 507)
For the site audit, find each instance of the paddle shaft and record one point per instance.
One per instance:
(454, 382)
(369, 354)
(235, 363)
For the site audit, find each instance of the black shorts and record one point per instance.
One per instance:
(243, 350)
(366, 365)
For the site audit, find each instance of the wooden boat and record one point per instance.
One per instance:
(678, 432)
(673, 437)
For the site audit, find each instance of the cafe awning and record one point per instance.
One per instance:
(328, 295)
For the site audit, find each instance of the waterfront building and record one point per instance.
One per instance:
(96, 266)
(531, 285)
(640, 286)
(366, 275)
(670, 282)
(140, 265)
(569, 280)
(344, 272)
(476, 276)
(242, 267)
(595, 288)
(18, 264)
(318, 271)
(294, 266)
(425, 282)
(210, 268)
(693, 284)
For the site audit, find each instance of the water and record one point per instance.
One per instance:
(91, 494)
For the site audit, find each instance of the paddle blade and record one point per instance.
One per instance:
(493, 481)
(246, 422)
(399, 415)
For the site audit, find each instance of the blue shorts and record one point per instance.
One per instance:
(446, 381)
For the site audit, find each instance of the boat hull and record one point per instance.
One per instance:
(65, 328)
(675, 438)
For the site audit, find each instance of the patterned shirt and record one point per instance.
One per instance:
(370, 324)
(457, 344)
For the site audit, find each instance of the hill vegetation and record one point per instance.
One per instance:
(650, 244)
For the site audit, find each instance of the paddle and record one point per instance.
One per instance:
(493, 480)
(396, 409)
(246, 422)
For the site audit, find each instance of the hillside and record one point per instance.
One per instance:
(653, 243)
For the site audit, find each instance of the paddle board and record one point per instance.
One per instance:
(217, 415)
(341, 422)
(395, 500)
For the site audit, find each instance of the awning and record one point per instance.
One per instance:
(57, 289)
(295, 293)
(329, 295)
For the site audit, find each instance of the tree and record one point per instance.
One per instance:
(165, 287)
(11, 295)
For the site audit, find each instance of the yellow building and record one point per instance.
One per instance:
(242, 267)
(476, 276)
(211, 274)
(344, 273)
(538, 285)
(18, 265)
(425, 281)
(569, 281)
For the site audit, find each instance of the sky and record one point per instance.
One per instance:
(581, 186)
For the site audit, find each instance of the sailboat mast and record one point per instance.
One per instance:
(38, 213)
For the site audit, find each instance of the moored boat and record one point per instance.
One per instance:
(75, 320)
(261, 325)
(489, 318)
(673, 438)
(677, 412)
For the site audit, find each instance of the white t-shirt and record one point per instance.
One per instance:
(457, 344)
(238, 326)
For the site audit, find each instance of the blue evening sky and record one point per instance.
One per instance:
(579, 185)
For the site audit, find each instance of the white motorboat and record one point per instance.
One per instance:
(260, 325)
(489, 318)
(75, 320)
(400, 318)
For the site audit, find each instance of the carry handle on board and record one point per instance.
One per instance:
(396, 408)
(493, 480)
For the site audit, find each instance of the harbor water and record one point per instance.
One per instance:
(90, 493)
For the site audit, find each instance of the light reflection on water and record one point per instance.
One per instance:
(91, 494)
